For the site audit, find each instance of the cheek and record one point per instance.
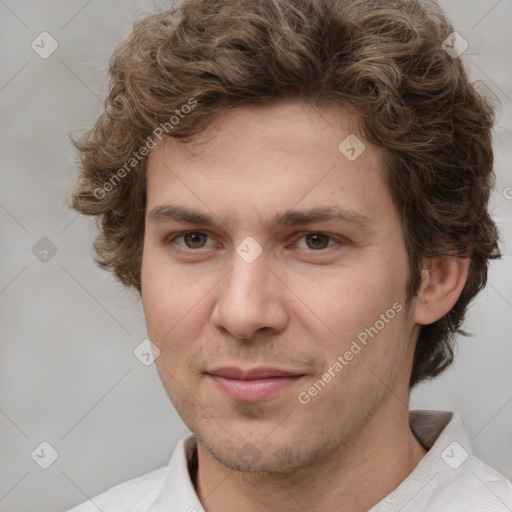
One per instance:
(367, 321)
(176, 309)
(166, 294)
(352, 301)
(172, 318)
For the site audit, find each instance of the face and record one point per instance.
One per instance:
(273, 282)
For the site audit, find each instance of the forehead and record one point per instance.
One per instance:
(263, 160)
(288, 126)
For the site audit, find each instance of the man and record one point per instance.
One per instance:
(298, 189)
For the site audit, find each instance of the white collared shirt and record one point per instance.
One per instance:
(449, 478)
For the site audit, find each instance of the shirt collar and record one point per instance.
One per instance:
(435, 430)
(177, 490)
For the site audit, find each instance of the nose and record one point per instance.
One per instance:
(250, 299)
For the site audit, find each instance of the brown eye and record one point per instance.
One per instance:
(194, 239)
(317, 241)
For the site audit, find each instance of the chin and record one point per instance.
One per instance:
(255, 454)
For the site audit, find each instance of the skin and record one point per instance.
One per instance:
(298, 306)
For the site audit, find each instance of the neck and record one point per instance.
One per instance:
(357, 475)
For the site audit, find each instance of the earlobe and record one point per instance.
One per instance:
(443, 279)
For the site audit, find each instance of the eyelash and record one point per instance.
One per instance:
(338, 240)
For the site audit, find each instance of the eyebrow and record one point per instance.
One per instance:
(177, 213)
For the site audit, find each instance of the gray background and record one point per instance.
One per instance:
(68, 375)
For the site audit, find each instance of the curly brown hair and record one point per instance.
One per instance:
(383, 60)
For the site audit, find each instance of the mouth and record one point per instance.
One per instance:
(253, 385)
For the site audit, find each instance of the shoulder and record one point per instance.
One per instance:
(474, 487)
(449, 477)
(131, 495)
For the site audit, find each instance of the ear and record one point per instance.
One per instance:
(443, 279)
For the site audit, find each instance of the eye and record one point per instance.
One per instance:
(192, 239)
(317, 241)
(195, 240)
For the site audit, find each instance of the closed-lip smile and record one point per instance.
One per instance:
(253, 384)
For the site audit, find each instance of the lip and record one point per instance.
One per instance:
(261, 372)
(253, 385)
